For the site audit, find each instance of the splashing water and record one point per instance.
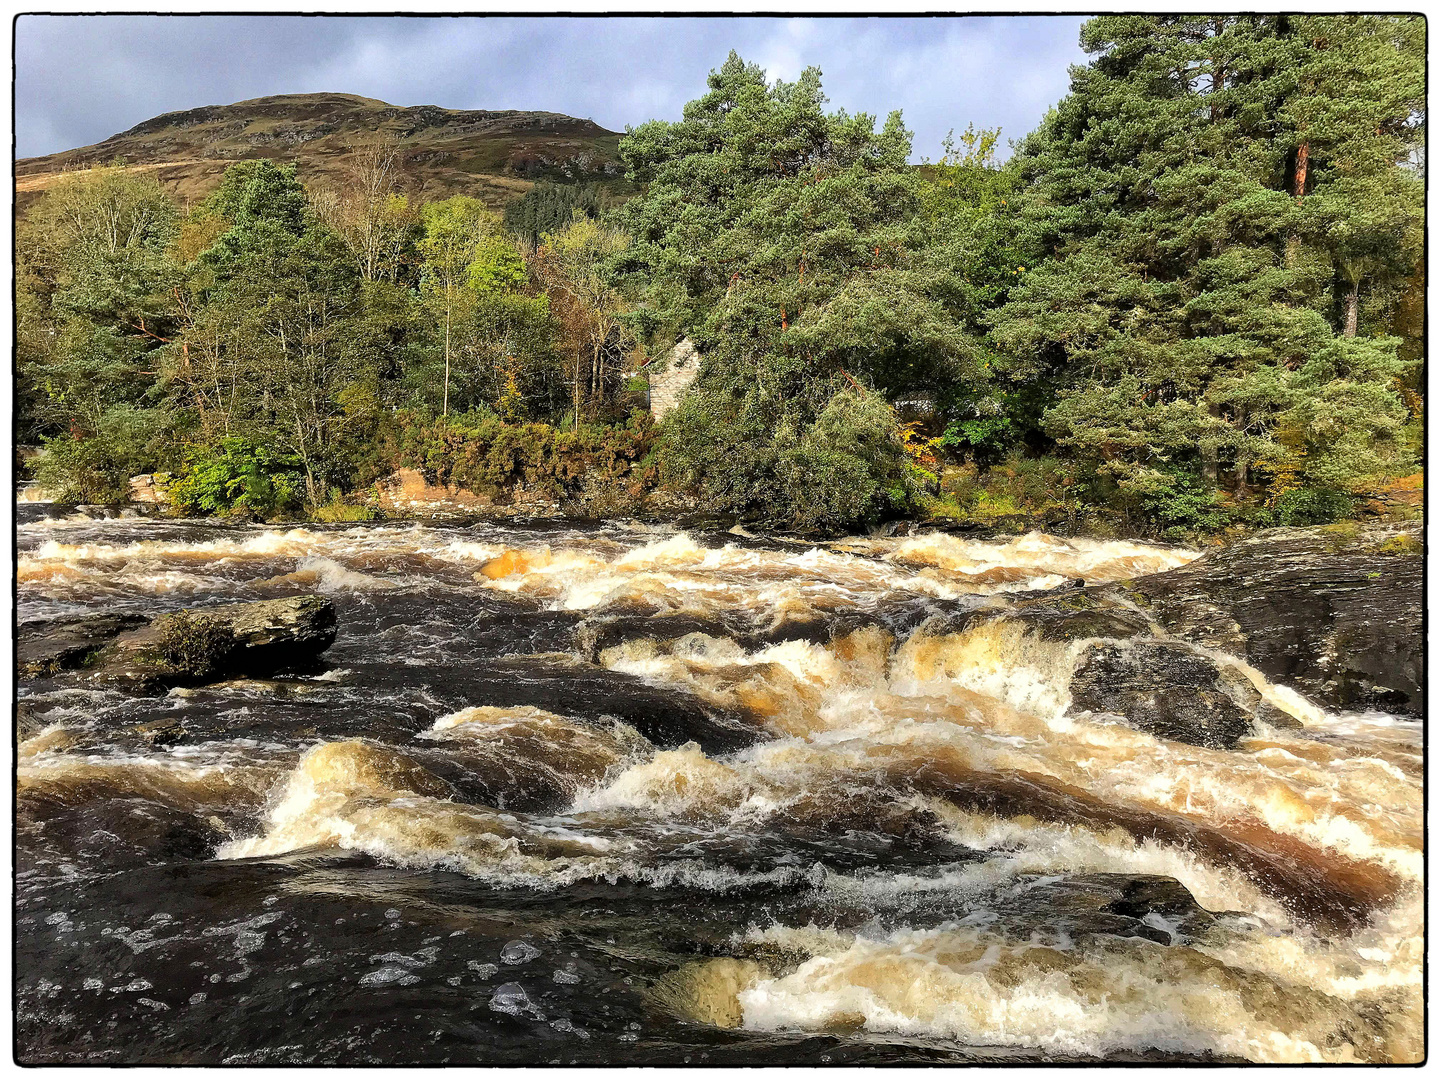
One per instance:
(638, 795)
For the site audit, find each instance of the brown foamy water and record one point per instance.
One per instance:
(638, 795)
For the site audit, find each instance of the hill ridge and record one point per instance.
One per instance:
(494, 155)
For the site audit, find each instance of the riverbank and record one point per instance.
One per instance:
(408, 495)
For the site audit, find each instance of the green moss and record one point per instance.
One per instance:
(1404, 544)
(192, 645)
(1340, 537)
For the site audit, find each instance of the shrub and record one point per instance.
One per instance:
(846, 468)
(238, 474)
(338, 509)
(481, 453)
(1313, 506)
(193, 645)
(82, 471)
(1178, 501)
(97, 468)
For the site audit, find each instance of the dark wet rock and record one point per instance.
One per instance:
(27, 721)
(1149, 906)
(668, 716)
(161, 733)
(1165, 688)
(202, 645)
(1334, 612)
(600, 632)
(1079, 613)
(50, 646)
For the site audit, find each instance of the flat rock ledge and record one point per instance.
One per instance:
(182, 648)
(1333, 612)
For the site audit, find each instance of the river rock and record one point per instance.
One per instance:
(182, 648)
(1334, 612)
(152, 488)
(204, 644)
(1073, 613)
(49, 646)
(1149, 906)
(407, 491)
(1165, 688)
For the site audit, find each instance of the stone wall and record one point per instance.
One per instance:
(673, 377)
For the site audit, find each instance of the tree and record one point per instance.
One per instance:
(575, 264)
(1357, 118)
(794, 246)
(277, 298)
(1186, 299)
(371, 212)
(548, 208)
(453, 232)
(93, 306)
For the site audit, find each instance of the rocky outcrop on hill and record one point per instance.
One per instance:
(183, 648)
(491, 155)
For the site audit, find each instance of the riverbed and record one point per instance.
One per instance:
(629, 794)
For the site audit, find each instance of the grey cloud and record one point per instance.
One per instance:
(80, 79)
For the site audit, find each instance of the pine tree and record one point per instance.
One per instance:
(793, 245)
(1199, 194)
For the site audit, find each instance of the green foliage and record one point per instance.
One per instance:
(1044, 490)
(480, 452)
(495, 267)
(548, 208)
(340, 509)
(1194, 298)
(191, 645)
(1180, 502)
(238, 474)
(796, 247)
(1312, 506)
(846, 467)
(1208, 199)
(97, 468)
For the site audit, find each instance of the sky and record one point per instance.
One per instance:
(80, 79)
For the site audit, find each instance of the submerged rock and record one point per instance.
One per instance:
(182, 648)
(1165, 688)
(1334, 612)
(1149, 906)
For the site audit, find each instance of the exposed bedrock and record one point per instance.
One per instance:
(1165, 688)
(189, 647)
(1334, 612)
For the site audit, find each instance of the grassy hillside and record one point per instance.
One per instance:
(494, 156)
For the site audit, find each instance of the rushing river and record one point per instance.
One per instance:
(636, 795)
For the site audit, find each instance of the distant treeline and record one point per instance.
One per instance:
(1193, 297)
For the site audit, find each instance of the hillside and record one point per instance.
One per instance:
(494, 156)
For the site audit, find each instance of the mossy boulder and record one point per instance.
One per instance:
(183, 648)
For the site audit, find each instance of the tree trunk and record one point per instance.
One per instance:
(1352, 310)
(445, 407)
(1302, 167)
(1210, 455)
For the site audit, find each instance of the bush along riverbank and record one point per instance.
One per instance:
(476, 466)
